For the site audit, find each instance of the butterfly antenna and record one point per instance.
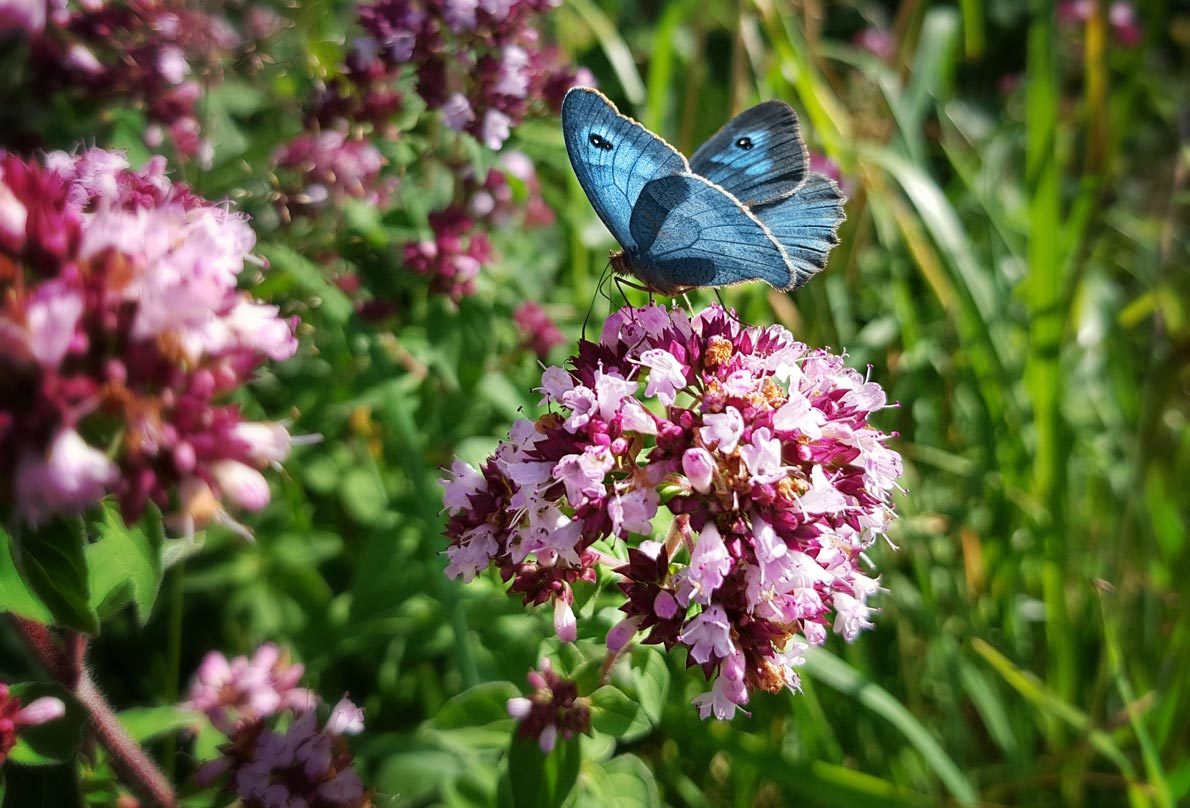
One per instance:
(598, 292)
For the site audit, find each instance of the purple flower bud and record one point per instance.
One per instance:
(622, 633)
(243, 485)
(699, 468)
(565, 624)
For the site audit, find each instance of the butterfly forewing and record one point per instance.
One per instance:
(613, 157)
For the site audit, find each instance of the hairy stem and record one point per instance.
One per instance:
(66, 665)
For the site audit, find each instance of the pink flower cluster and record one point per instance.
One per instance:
(147, 51)
(539, 333)
(496, 202)
(553, 708)
(120, 329)
(242, 690)
(330, 167)
(13, 717)
(453, 258)
(480, 62)
(760, 450)
(305, 764)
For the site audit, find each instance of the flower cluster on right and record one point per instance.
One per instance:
(760, 449)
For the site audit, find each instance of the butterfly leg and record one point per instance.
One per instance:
(726, 310)
(599, 291)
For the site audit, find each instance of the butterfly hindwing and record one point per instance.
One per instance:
(689, 232)
(758, 156)
(806, 224)
(613, 157)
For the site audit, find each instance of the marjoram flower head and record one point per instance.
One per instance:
(121, 331)
(276, 755)
(759, 450)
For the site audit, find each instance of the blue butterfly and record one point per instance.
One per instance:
(745, 207)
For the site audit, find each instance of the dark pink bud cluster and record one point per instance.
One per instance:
(758, 447)
(480, 62)
(539, 333)
(13, 716)
(453, 257)
(149, 52)
(121, 330)
(510, 193)
(329, 167)
(552, 709)
(265, 768)
(880, 42)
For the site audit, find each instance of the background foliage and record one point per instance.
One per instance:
(1013, 271)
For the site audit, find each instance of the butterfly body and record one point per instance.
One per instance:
(715, 221)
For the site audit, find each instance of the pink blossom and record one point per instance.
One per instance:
(724, 698)
(345, 718)
(27, 16)
(723, 430)
(709, 635)
(666, 374)
(70, 478)
(709, 564)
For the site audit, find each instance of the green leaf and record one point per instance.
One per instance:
(53, 563)
(335, 305)
(483, 704)
(54, 741)
(613, 712)
(540, 780)
(838, 674)
(625, 781)
(652, 682)
(126, 563)
(15, 595)
(146, 724)
(362, 494)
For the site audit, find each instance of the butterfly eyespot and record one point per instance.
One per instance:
(599, 142)
(744, 143)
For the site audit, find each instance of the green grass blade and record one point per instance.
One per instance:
(614, 47)
(836, 673)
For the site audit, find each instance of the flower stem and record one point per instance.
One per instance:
(134, 768)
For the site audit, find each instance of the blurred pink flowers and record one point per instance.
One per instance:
(1121, 16)
(150, 51)
(121, 326)
(760, 449)
(328, 168)
(481, 63)
(453, 257)
(13, 717)
(304, 764)
(539, 333)
(242, 690)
